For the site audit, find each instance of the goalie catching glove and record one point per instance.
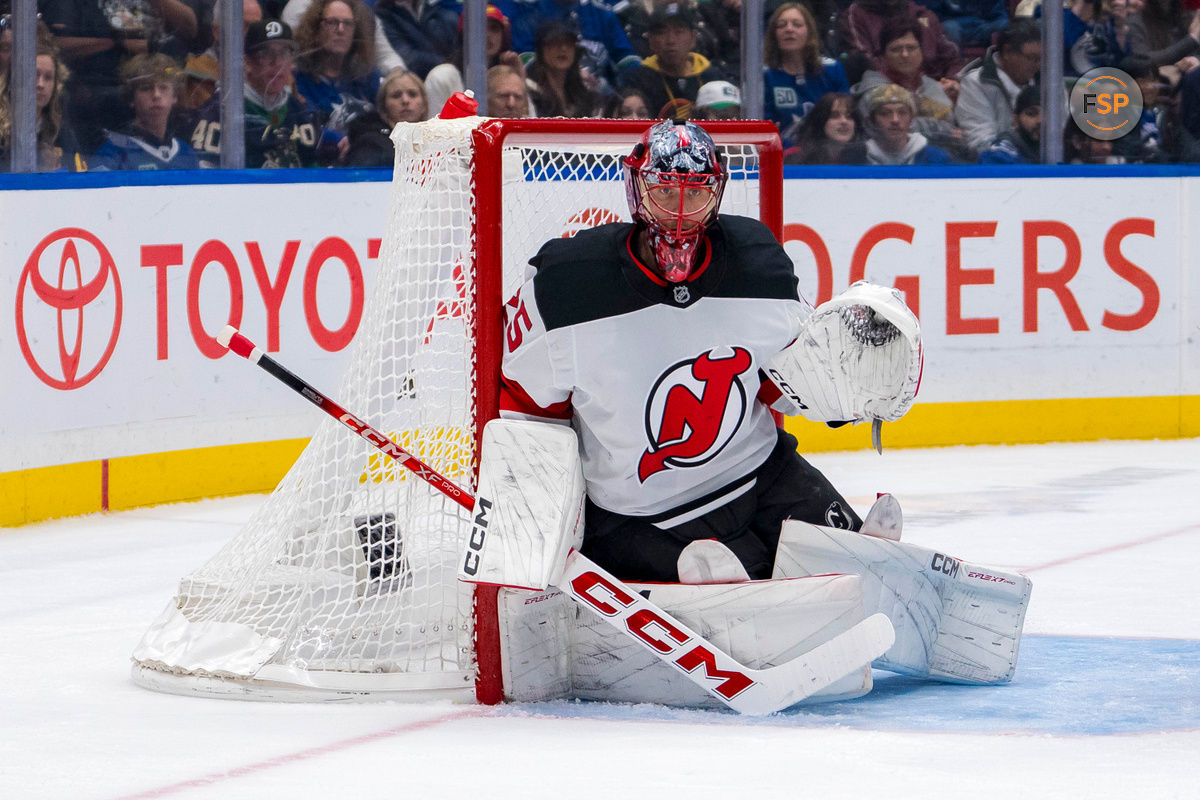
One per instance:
(856, 358)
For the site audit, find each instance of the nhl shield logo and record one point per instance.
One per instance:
(682, 295)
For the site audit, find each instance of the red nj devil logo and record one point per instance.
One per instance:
(691, 430)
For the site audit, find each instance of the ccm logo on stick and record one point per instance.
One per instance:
(657, 633)
(479, 527)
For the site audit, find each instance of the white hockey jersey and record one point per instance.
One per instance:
(660, 381)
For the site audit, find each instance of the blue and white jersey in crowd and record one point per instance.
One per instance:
(788, 97)
(133, 148)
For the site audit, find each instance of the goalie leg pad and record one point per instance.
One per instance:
(554, 648)
(954, 621)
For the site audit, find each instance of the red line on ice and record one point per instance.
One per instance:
(302, 755)
(1113, 548)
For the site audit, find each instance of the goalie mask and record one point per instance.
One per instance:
(673, 181)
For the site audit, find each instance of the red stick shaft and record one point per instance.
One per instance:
(245, 348)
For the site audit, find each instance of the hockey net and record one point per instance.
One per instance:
(343, 583)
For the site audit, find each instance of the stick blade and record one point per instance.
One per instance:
(777, 688)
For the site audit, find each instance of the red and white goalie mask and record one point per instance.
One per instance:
(673, 180)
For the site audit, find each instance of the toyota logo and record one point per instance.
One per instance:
(69, 270)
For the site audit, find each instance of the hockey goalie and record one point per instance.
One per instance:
(642, 364)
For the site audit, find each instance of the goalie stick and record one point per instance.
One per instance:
(746, 690)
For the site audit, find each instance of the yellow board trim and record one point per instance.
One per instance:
(1015, 422)
(47, 492)
(33, 495)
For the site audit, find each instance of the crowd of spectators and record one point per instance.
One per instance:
(132, 84)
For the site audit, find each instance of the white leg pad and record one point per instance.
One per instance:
(552, 648)
(954, 621)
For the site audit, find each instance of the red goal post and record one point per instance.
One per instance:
(343, 584)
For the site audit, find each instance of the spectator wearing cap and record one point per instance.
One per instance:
(900, 44)
(150, 87)
(201, 70)
(635, 19)
(671, 77)
(795, 75)
(560, 86)
(1022, 143)
(890, 110)
(718, 100)
(863, 20)
(446, 79)
(424, 33)
(336, 67)
(609, 56)
(281, 129)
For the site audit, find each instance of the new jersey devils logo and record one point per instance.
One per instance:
(693, 411)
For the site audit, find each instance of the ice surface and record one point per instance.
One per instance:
(1105, 703)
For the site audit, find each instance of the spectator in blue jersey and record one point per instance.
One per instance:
(1022, 144)
(95, 36)
(795, 75)
(1090, 36)
(608, 52)
(281, 130)
(336, 71)
(671, 77)
(150, 86)
(891, 141)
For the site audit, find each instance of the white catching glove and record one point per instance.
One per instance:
(857, 358)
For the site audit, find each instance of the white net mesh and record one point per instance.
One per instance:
(343, 582)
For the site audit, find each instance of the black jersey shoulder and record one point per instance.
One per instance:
(579, 279)
(756, 263)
